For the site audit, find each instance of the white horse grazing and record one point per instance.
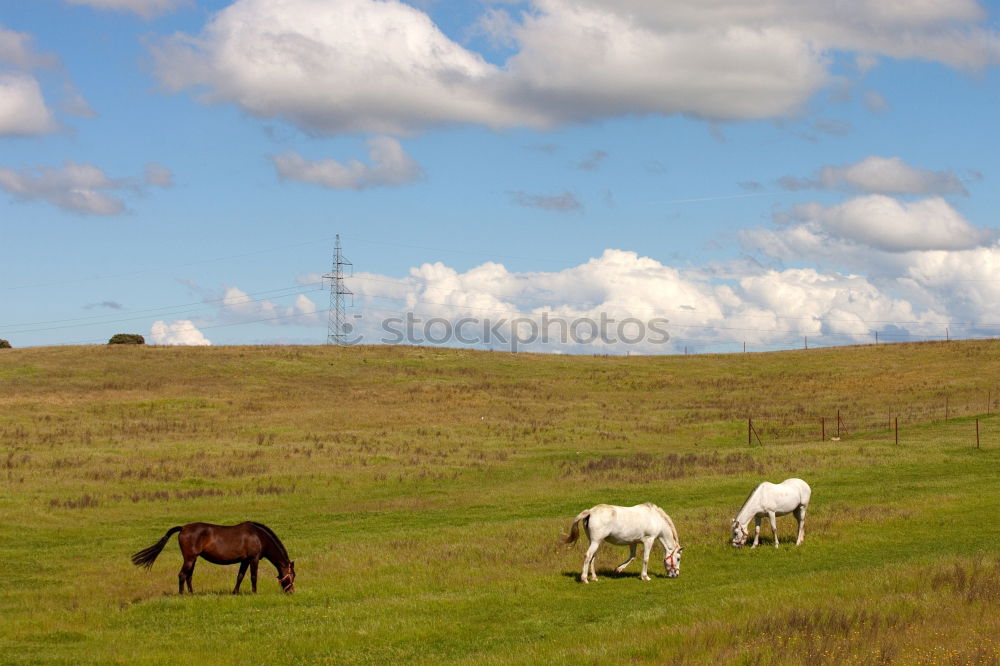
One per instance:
(628, 526)
(772, 499)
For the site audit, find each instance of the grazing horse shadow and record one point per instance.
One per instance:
(610, 573)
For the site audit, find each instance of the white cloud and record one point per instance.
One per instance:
(16, 49)
(237, 305)
(759, 306)
(813, 303)
(967, 283)
(385, 67)
(948, 276)
(145, 8)
(354, 65)
(179, 332)
(22, 108)
(80, 188)
(884, 175)
(390, 166)
(585, 60)
(890, 225)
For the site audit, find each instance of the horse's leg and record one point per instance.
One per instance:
(253, 574)
(647, 545)
(239, 577)
(800, 515)
(756, 531)
(774, 526)
(588, 561)
(187, 569)
(631, 556)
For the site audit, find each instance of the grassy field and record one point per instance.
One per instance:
(422, 492)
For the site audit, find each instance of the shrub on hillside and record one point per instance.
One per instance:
(4, 344)
(127, 339)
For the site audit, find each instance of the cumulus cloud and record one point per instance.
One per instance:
(179, 332)
(23, 111)
(884, 175)
(620, 301)
(237, 305)
(890, 225)
(385, 67)
(147, 9)
(80, 188)
(390, 166)
(356, 65)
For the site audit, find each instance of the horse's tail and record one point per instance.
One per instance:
(146, 556)
(574, 530)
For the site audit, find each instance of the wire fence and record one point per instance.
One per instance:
(976, 422)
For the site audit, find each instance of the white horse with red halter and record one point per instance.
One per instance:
(772, 499)
(628, 526)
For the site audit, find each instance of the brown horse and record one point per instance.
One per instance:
(245, 543)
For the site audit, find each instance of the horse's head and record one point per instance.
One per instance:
(672, 562)
(740, 534)
(287, 577)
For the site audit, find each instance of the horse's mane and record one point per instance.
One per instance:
(742, 506)
(673, 530)
(273, 537)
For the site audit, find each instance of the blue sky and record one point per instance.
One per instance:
(761, 173)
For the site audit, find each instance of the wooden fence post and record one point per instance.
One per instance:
(822, 425)
(977, 433)
(897, 431)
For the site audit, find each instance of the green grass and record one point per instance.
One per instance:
(422, 492)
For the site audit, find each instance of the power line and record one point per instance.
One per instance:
(175, 311)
